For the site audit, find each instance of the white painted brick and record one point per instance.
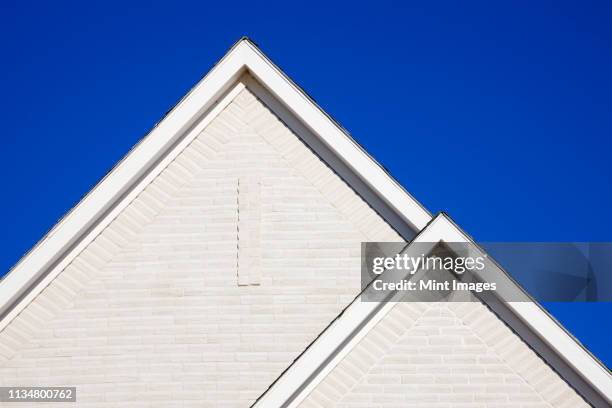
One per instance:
(154, 300)
(154, 304)
(470, 375)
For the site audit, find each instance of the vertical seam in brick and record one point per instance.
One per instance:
(241, 268)
(248, 230)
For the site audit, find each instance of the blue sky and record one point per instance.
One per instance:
(516, 95)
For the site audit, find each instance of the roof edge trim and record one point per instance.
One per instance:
(328, 349)
(243, 56)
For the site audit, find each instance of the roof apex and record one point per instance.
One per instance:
(81, 224)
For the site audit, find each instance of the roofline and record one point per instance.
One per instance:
(332, 134)
(78, 227)
(356, 320)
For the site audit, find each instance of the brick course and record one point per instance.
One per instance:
(151, 311)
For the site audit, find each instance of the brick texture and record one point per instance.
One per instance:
(151, 313)
(443, 355)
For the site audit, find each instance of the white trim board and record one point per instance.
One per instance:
(16, 278)
(399, 223)
(94, 211)
(547, 338)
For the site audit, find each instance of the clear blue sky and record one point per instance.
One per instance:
(517, 95)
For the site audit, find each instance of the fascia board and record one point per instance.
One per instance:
(333, 344)
(540, 322)
(111, 191)
(335, 138)
(359, 317)
(112, 188)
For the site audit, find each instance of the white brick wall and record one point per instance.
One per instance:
(151, 311)
(442, 355)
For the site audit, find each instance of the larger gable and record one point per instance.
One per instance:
(211, 280)
(182, 124)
